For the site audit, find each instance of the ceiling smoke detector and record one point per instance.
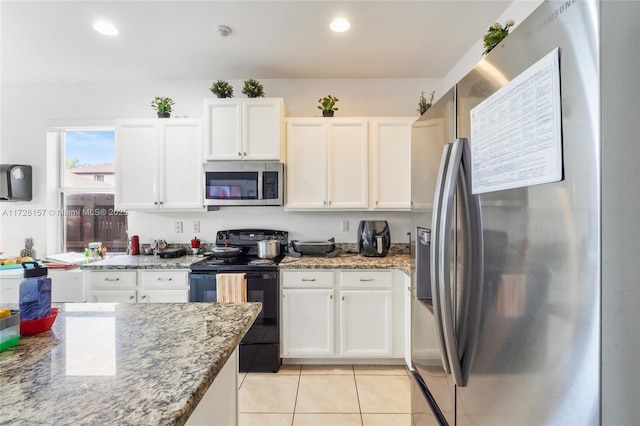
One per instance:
(223, 30)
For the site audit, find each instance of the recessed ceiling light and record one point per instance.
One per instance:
(105, 28)
(339, 25)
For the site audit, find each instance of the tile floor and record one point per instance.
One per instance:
(336, 395)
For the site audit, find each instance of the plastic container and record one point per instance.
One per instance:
(35, 292)
(39, 325)
(10, 331)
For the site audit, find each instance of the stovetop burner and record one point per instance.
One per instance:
(261, 262)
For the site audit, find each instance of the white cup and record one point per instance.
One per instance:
(194, 250)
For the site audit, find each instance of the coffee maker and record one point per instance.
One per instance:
(374, 238)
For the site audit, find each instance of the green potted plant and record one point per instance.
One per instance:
(495, 34)
(423, 105)
(253, 89)
(163, 106)
(222, 89)
(328, 105)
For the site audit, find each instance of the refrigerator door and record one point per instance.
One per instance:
(537, 357)
(429, 135)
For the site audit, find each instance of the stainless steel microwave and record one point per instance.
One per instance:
(243, 183)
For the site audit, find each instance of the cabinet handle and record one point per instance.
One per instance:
(244, 153)
(308, 279)
(163, 279)
(331, 296)
(112, 279)
(342, 297)
(366, 279)
(131, 297)
(329, 202)
(161, 203)
(239, 154)
(376, 203)
(144, 297)
(155, 202)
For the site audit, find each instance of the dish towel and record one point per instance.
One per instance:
(231, 288)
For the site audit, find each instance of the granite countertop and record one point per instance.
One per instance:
(403, 262)
(125, 261)
(120, 364)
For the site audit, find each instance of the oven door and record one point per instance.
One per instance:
(261, 287)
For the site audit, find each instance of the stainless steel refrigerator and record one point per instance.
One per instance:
(526, 299)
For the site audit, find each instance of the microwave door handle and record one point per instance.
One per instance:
(436, 253)
(260, 179)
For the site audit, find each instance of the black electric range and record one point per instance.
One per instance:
(259, 350)
(248, 260)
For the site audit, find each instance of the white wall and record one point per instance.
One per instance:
(28, 110)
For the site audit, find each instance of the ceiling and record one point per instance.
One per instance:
(178, 40)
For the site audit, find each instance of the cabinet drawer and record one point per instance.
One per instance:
(307, 279)
(112, 279)
(163, 279)
(365, 279)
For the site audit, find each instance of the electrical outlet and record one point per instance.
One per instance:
(178, 227)
(196, 226)
(344, 226)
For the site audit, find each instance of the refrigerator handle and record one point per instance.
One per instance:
(436, 254)
(443, 235)
(473, 278)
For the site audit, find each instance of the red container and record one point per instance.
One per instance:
(38, 326)
(135, 245)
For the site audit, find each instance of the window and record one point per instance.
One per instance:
(87, 186)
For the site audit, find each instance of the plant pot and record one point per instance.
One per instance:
(164, 114)
(251, 95)
(221, 95)
(327, 113)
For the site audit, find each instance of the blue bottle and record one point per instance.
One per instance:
(35, 292)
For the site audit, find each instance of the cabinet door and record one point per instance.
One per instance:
(307, 322)
(137, 164)
(262, 129)
(407, 321)
(163, 296)
(68, 286)
(306, 164)
(391, 163)
(181, 164)
(366, 323)
(348, 161)
(163, 279)
(223, 129)
(112, 296)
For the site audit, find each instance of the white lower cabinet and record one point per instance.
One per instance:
(142, 286)
(308, 326)
(365, 323)
(307, 313)
(357, 323)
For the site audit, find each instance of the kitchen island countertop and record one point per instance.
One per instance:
(403, 262)
(121, 364)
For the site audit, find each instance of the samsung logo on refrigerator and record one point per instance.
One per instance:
(557, 12)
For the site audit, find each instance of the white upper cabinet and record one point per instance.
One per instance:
(327, 163)
(349, 163)
(159, 164)
(243, 129)
(391, 163)
(306, 164)
(348, 185)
